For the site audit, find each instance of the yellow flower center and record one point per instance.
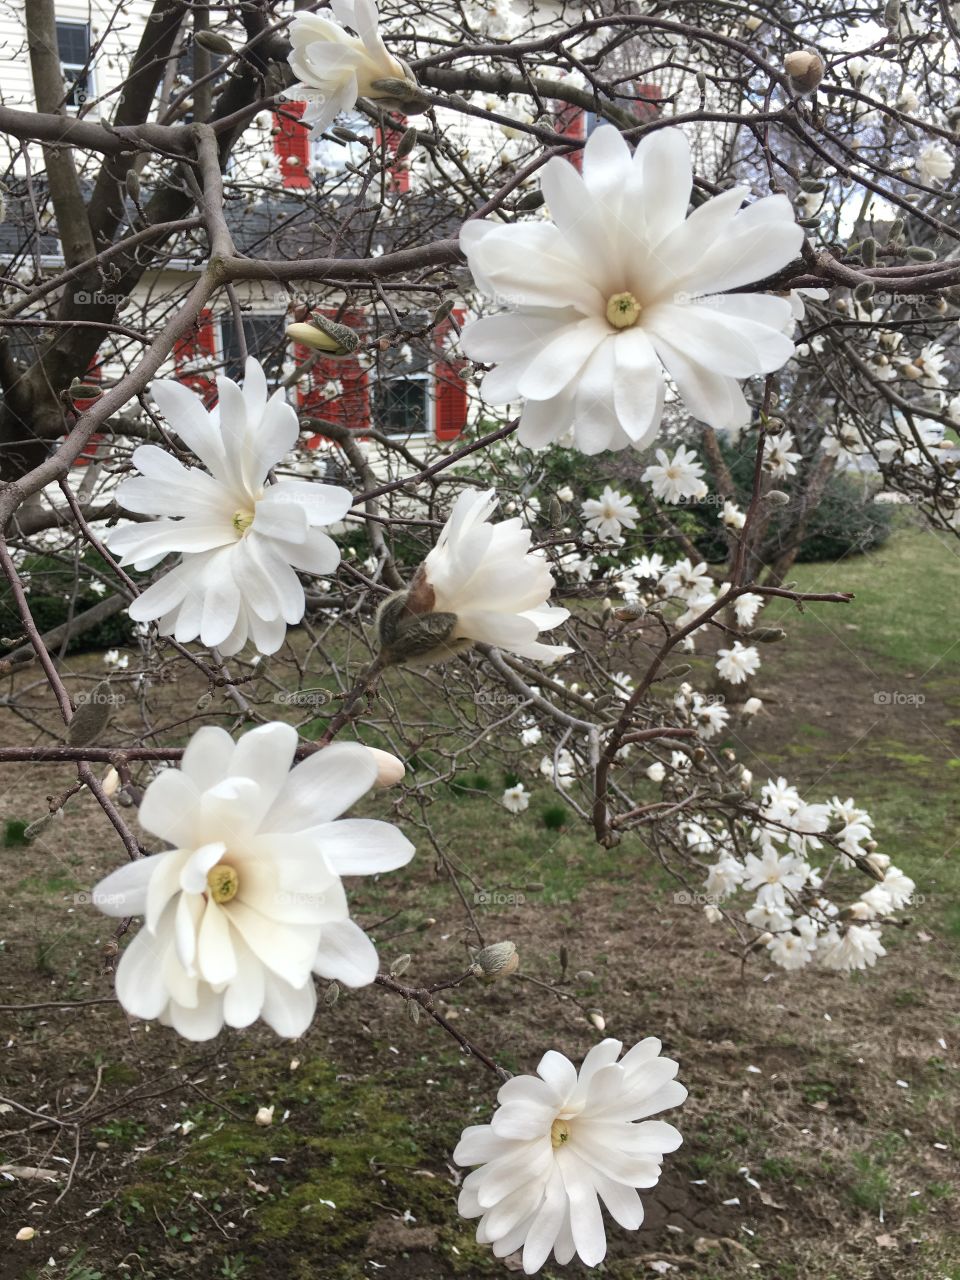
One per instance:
(242, 520)
(623, 310)
(223, 882)
(559, 1132)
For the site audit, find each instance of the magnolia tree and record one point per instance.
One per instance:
(750, 248)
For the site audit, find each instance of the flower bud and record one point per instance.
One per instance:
(110, 782)
(91, 717)
(390, 770)
(26, 1233)
(413, 1011)
(532, 200)
(597, 1018)
(496, 961)
(332, 994)
(777, 498)
(213, 42)
(264, 1117)
(400, 965)
(805, 70)
(765, 635)
(406, 144)
(712, 914)
(324, 335)
(38, 827)
(132, 182)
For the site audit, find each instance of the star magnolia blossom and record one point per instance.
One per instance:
(515, 799)
(678, 477)
(560, 1143)
(248, 904)
(621, 286)
(487, 575)
(739, 663)
(609, 513)
(335, 68)
(241, 536)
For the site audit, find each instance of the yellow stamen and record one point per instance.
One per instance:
(623, 310)
(559, 1132)
(223, 882)
(242, 520)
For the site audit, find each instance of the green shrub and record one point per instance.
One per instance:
(56, 593)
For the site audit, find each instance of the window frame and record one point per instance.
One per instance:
(83, 69)
(424, 376)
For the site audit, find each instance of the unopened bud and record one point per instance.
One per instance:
(496, 961)
(805, 70)
(402, 91)
(332, 993)
(864, 291)
(324, 335)
(132, 182)
(413, 1011)
(90, 718)
(868, 252)
(597, 1018)
(443, 310)
(891, 14)
(554, 511)
(37, 828)
(390, 770)
(400, 965)
(110, 782)
(919, 254)
(406, 144)
(213, 42)
(264, 1117)
(766, 635)
(777, 498)
(531, 200)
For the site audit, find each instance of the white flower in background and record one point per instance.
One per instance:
(565, 494)
(241, 537)
(709, 717)
(934, 162)
(771, 919)
(774, 876)
(674, 479)
(927, 369)
(248, 903)
(739, 663)
(622, 684)
(724, 877)
(779, 458)
(621, 288)
(696, 608)
(647, 567)
(680, 761)
(712, 914)
(656, 772)
(335, 68)
(907, 100)
(732, 516)
(562, 1142)
(779, 798)
(746, 608)
(611, 512)
(687, 580)
(531, 735)
(113, 658)
(857, 947)
(561, 771)
(789, 951)
(515, 799)
(97, 587)
(489, 578)
(894, 892)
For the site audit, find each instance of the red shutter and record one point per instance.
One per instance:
(569, 121)
(89, 452)
(399, 170)
(291, 142)
(195, 355)
(648, 105)
(450, 404)
(351, 408)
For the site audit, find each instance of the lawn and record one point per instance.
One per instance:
(819, 1143)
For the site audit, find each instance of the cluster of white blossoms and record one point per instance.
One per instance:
(249, 904)
(335, 68)
(620, 289)
(240, 535)
(564, 1143)
(607, 515)
(794, 917)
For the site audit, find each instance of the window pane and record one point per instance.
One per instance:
(265, 339)
(73, 43)
(400, 405)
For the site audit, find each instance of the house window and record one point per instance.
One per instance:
(265, 340)
(401, 405)
(73, 45)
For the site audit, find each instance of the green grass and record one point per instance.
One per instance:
(901, 611)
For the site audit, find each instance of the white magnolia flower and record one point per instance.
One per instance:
(656, 772)
(710, 718)
(249, 903)
(335, 68)
(560, 771)
(611, 512)
(780, 799)
(934, 162)
(241, 536)
(678, 477)
(690, 581)
(746, 607)
(724, 877)
(488, 577)
(857, 947)
(515, 799)
(531, 735)
(562, 1142)
(789, 951)
(622, 683)
(622, 287)
(770, 919)
(732, 516)
(894, 892)
(739, 663)
(779, 459)
(774, 876)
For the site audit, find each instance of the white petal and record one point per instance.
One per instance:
(346, 954)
